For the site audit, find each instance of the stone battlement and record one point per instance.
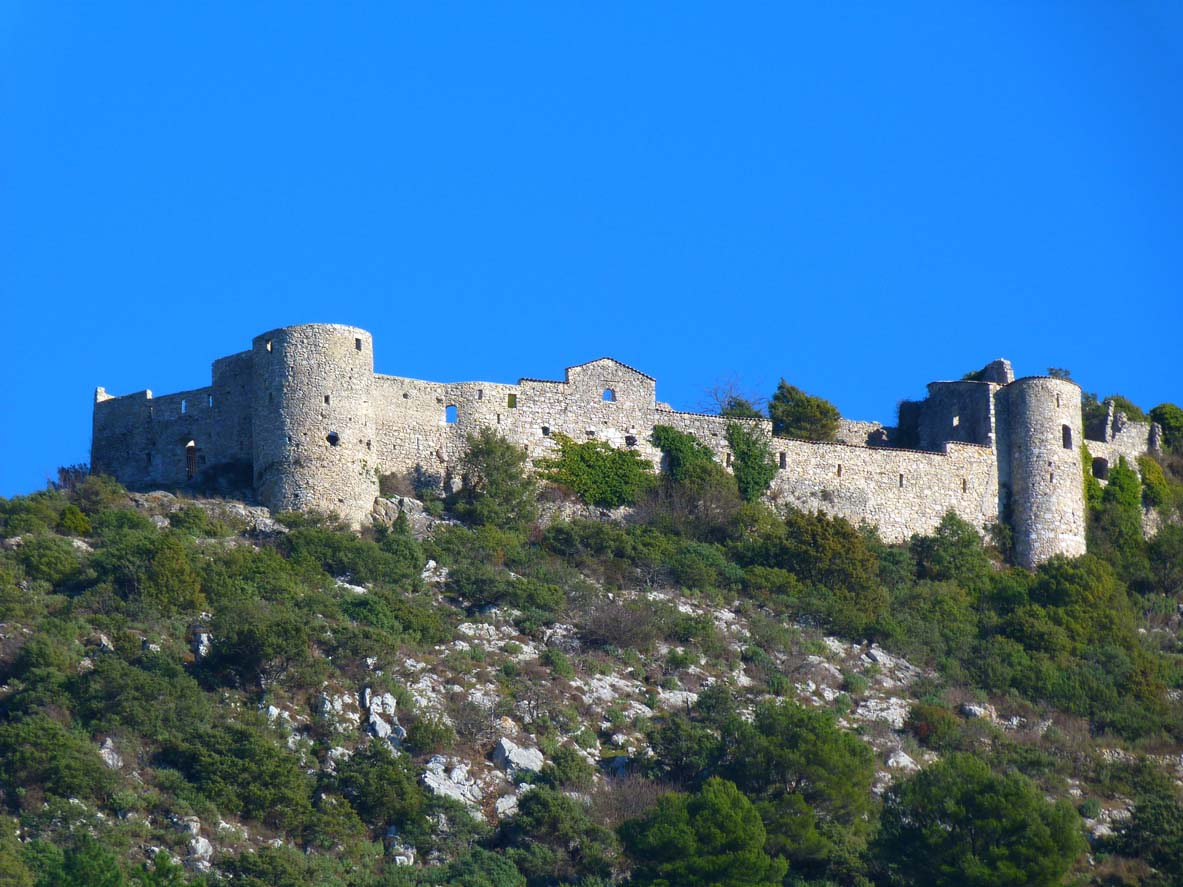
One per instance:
(303, 415)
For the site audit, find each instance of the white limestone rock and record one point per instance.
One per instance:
(110, 754)
(515, 759)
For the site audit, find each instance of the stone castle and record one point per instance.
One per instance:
(306, 417)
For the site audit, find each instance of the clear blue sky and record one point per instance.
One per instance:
(857, 197)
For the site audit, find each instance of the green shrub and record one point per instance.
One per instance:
(799, 415)
(429, 735)
(934, 726)
(556, 660)
(39, 755)
(598, 473)
(1156, 491)
(73, 522)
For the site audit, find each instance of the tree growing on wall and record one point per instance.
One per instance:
(752, 465)
(797, 414)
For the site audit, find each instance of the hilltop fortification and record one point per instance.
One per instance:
(306, 418)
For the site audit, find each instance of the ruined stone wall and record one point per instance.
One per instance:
(957, 411)
(1042, 420)
(305, 410)
(899, 491)
(314, 429)
(1123, 439)
(143, 440)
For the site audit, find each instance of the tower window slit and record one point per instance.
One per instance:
(184, 407)
(964, 485)
(840, 471)
(1066, 433)
(901, 481)
(784, 460)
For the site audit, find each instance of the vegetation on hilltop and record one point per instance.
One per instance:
(278, 704)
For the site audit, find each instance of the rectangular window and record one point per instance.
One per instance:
(357, 344)
(784, 460)
(901, 481)
(511, 401)
(326, 400)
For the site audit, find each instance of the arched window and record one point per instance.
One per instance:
(451, 412)
(191, 460)
(1101, 468)
(1066, 432)
(609, 395)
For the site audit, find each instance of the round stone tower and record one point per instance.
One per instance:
(313, 423)
(1044, 434)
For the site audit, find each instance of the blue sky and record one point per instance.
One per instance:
(858, 197)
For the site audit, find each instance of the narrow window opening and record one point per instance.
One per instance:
(511, 401)
(1101, 468)
(964, 485)
(451, 413)
(956, 421)
(326, 400)
(840, 471)
(728, 460)
(1051, 477)
(369, 445)
(901, 481)
(191, 460)
(184, 407)
(268, 344)
(498, 418)
(591, 432)
(333, 438)
(480, 394)
(1066, 432)
(784, 460)
(1057, 400)
(546, 431)
(630, 440)
(609, 395)
(211, 402)
(357, 344)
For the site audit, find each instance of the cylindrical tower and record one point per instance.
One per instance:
(313, 423)
(1043, 435)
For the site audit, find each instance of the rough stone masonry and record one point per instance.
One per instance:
(303, 415)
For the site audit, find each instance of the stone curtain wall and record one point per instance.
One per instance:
(901, 492)
(304, 408)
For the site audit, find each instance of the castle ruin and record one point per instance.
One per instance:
(306, 418)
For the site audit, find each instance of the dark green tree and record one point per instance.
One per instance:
(713, 838)
(797, 414)
(958, 824)
(496, 487)
(1155, 833)
(810, 779)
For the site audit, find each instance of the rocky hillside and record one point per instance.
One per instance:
(498, 690)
